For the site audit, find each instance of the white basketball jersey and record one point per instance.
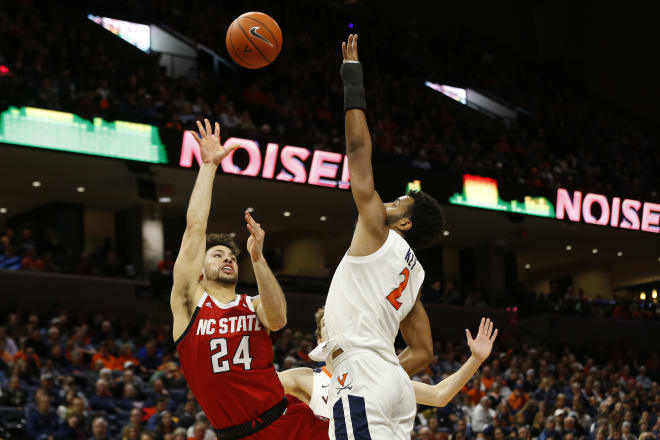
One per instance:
(369, 296)
(318, 401)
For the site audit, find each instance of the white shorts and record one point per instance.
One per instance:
(370, 398)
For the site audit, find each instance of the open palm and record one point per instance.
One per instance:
(210, 149)
(483, 343)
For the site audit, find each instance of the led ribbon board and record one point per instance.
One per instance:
(482, 192)
(53, 130)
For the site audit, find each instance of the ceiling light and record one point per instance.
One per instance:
(323, 218)
(286, 214)
(528, 266)
(642, 296)
(232, 234)
(594, 251)
(165, 199)
(654, 294)
(36, 184)
(445, 233)
(3, 210)
(80, 189)
(250, 209)
(569, 247)
(619, 254)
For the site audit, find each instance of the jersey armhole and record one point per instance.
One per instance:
(248, 301)
(190, 323)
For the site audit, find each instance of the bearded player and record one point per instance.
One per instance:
(311, 386)
(223, 338)
(375, 291)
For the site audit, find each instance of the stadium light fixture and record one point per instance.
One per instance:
(594, 251)
(36, 184)
(619, 254)
(654, 294)
(286, 214)
(642, 296)
(165, 199)
(3, 210)
(569, 247)
(323, 218)
(528, 266)
(80, 189)
(445, 233)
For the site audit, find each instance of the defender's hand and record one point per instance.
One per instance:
(255, 242)
(483, 343)
(209, 143)
(349, 49)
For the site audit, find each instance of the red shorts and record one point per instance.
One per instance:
(297, 423)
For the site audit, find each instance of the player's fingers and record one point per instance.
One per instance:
(343, 49)
(481, 326)
(468, 335)
(494, 335)
(208, 128)
(216, 133)
(487, 327)
(355, 46)
(196, 136)
(201, 129)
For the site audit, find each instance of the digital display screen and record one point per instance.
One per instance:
(53, 130)
(139, 35)
(455, 93)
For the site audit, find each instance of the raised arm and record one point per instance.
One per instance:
(270, 306)
(442, 393)
(416, 331)
(371, 231)
(189, 262)
(298, 382)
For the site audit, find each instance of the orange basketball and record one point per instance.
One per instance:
(254, 40)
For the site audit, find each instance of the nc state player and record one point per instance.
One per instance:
(221, 337)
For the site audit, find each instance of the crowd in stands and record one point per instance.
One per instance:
(45, 253)
(105, 377)
(564, 139)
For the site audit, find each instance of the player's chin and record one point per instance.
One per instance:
(231, 278)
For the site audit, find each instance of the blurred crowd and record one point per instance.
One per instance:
(561, 137)
(105, 377)
(43, 252)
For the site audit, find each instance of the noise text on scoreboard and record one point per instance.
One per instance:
(324, 169)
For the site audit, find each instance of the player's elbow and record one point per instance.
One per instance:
(277, 323)
(425, 355)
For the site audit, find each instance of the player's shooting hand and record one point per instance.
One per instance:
(349, 49)
(209, 143)
(483, 343)
(255, 243)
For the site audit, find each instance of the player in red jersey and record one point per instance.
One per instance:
(221, 337)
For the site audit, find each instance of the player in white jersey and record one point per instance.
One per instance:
(312, 386)
(375, 291)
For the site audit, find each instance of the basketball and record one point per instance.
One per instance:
(254, 40)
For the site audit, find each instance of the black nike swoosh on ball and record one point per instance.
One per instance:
(253, 31)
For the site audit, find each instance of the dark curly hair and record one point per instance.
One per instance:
(427, 219)
(222, 240)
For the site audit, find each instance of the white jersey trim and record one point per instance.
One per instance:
(248, 300)
(202, 299)
(228, 305)
(371, 257)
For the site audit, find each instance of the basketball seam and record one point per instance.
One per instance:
(269, 31)
(231, 42)
(253, 45)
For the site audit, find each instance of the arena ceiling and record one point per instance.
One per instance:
(110, 186)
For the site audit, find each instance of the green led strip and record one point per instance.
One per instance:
(53, 130)
(481, 192)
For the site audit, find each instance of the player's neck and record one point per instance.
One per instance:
(224, 293)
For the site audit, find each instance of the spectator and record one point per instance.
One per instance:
(41, 420)
(104, 355)
(518, 398)
(482, 415)
(102, 400)
(549, 432)
(8, 346)
(99, 429)
(13, 395)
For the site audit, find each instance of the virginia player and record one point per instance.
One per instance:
(312, 386)
(375, 291)
(221, 337)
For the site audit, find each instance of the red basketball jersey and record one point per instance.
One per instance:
(227, 359)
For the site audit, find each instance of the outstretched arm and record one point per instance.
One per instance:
(442, 393)
(189, 262)
(270, 307)
(416, 332)
(371, 231)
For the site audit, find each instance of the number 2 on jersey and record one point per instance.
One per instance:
(242, 355)
(394, 295)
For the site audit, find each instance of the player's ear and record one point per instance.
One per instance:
(404, 224)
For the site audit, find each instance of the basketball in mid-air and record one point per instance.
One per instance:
(254, 40)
